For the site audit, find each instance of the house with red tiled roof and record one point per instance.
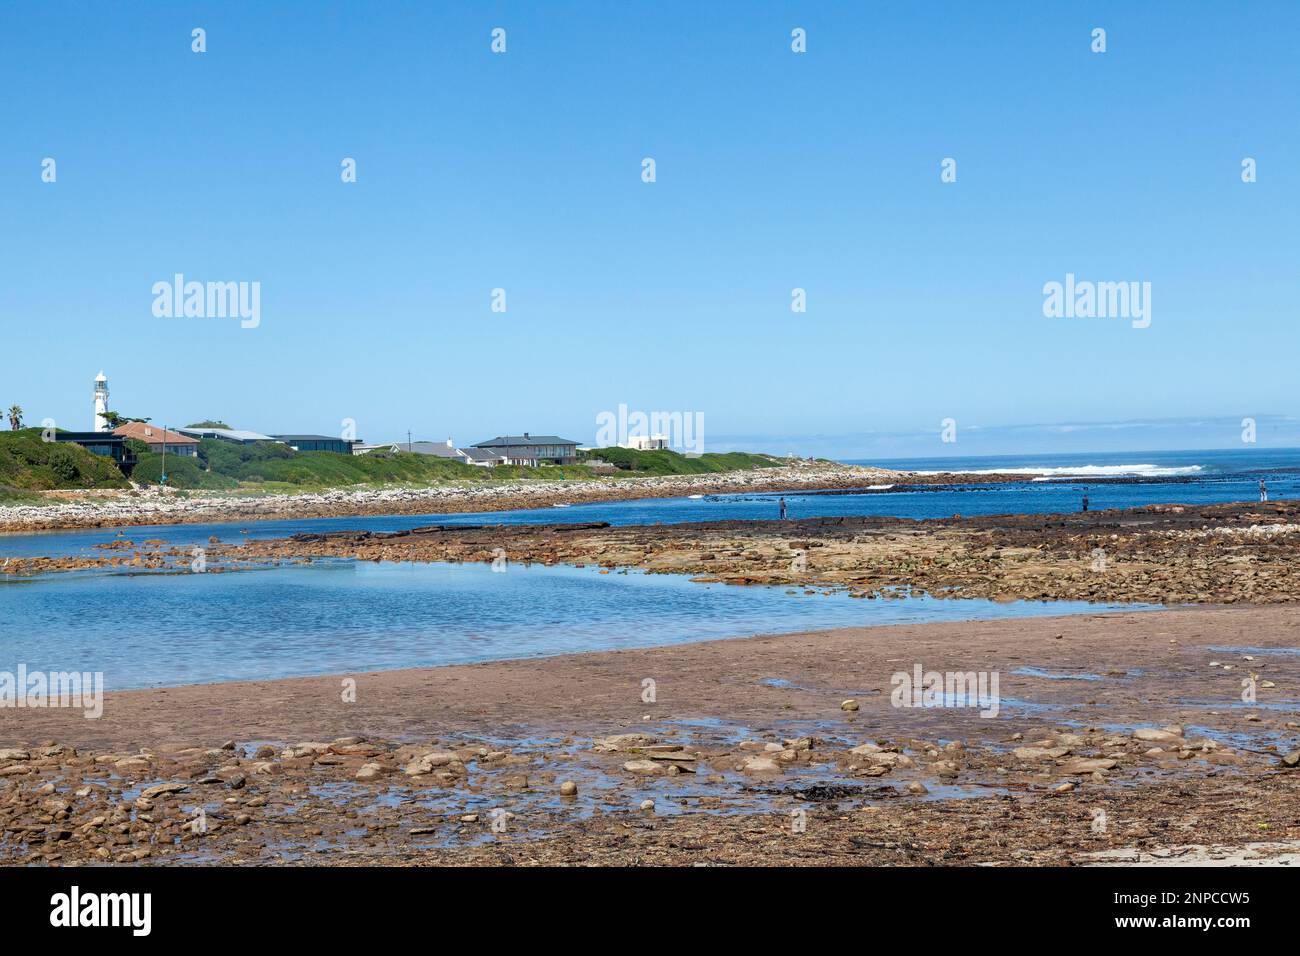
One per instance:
(156, 438)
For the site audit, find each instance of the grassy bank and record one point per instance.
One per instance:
(27, 464)
(671, 463)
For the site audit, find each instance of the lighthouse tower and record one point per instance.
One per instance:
(101, 402)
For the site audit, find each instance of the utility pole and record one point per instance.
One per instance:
(163, 482)
(408, 441)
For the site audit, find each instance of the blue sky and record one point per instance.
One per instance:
(774, 170)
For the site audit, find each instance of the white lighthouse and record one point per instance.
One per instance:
(101, 402)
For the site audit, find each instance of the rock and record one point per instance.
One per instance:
(1039, 753)
(1154, 736)
(1064, 788)
(849, 705)
(163, 788)
(1081, 765)
(917, 786)
(370, 771)
(644, 767)
(647, 804)
(681, 762)
(887, 758)
(621, 742)
(867, 748)
(568, 789)
(469, 818)
(1292, 759)
(13, 753)
(420, 831)
(309, 749)
(427, 763)
(757, 764)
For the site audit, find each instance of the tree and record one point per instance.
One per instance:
(115, 420)
(15, 417)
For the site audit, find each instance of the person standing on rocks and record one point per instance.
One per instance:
(783, 507)
(1263, 490)
(1085, 502)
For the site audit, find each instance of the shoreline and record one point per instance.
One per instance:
(741, 734)
(69, 510)
(1155, 554)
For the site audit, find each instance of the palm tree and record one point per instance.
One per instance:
(15, 417)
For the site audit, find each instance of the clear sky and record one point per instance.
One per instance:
(775, 170)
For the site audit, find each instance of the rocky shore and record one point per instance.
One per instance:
(1119, 737)
(99, 509)
(1160, 554)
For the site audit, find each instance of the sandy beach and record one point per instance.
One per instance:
(1117, 736)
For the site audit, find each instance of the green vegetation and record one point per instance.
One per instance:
(115, 421)
(29, 464)
(275, 467)
(208, 424)
(671, 463)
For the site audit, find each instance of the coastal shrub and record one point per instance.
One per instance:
(27, 462)
(671, 463)
(182, 472)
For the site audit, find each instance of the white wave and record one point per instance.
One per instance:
(1081, 471)
(879, 487)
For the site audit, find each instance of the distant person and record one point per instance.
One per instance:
(1263, 490)
(1085, 502)
(782, 509)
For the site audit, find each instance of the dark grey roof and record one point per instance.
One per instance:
(502, 441)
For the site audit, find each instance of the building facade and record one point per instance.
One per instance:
(160, 440)
(532, 450)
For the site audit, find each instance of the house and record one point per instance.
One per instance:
(483, 458)
(102, 443)
(646, 443)
(160, 440)
(438, 449)
(361, 448)
(340, 446)
(236, 435)
(529, 449)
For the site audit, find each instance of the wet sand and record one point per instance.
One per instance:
(745, 741)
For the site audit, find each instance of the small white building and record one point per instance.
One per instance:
(646, 443)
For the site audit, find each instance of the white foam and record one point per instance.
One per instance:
(1081, 471)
